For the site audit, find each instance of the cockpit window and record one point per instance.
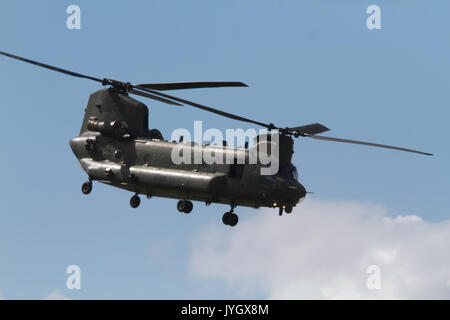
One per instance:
(295, 172)
(288, 172)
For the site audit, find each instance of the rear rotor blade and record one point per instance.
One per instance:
(191, 85)
(209, 109)
(151, 96)
(366, 143)
(70, 73)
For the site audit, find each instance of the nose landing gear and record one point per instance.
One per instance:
(230, 218)
(288, 209)
(185, 206)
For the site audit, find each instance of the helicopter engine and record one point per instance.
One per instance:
(117, 129)
(114, 113)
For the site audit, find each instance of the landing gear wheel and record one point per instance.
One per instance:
(288, 209)
(185, 206)
(86, 187)
(234, 219)
(230, 219)
(135, 201)
(189, 207)
(226, 218)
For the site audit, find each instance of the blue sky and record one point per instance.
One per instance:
(304, 62)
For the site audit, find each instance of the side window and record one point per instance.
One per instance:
(147, 159)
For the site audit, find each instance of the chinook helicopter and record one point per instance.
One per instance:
(116, 147)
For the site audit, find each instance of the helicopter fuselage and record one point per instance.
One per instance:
(143, 165)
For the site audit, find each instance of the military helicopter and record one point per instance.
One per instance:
(116, 147)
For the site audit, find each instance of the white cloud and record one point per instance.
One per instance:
(323, 249)
(56, 295)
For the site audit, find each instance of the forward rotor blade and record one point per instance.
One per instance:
(209, 109)
(309, 129)
(191, 85)
(151, 96)
(43, 65)
(367, 144)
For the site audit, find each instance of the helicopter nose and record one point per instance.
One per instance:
(296, 192)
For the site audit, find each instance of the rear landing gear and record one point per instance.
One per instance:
(86, 187)
(135, 201)
(185, 206)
